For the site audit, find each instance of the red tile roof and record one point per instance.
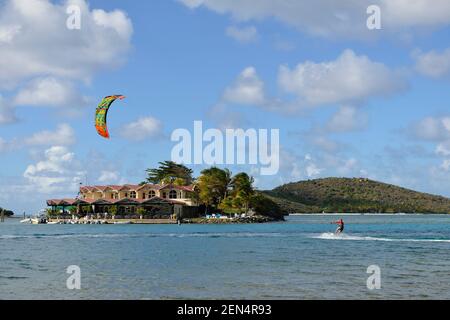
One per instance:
(128, 187)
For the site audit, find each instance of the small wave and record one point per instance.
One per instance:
(333, 236)
(142, 235)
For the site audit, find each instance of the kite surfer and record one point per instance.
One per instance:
(340, 227)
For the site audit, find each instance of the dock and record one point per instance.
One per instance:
(114, 221)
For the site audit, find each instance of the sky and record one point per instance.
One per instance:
(348, 101)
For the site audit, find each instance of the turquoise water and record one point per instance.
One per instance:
(296, 259)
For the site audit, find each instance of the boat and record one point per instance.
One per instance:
(122, 222)
(28, 220)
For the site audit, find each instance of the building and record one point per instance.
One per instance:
(157, 200)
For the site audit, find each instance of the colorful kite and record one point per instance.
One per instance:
(102, 112)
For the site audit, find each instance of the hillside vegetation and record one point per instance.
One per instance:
(356, 195)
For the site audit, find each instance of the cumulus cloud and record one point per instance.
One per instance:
(446, 165)
(243, 35)
(109, 177)
(58, 171)
(247, 89)
(143, 128)
(348, 118)
(33, 45)
(50, 92)
(436, 129)
(8, 33)
(417, 13)
(349, 78)
(433, 64)
(7, 114)
(42, 59)
(64, 135)
(54, 93)
(327, 18)
(443, 148)
(433, 128)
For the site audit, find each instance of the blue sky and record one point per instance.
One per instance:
(348, 101)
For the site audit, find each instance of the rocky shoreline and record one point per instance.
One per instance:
(253, 219)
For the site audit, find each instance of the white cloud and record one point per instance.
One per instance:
(417, 13)
(64, 135)
(433, 128)
(446, 165)
(59, 171)
(115, 20)
(348, 118)
(8, 33)
(54, 93)
(347, 167)
(109, 176)
(244, 34)
(143, 128)
(350, 78)
(248, 89)
(327, 18)
(33, 45)
(443, 148)
(312, 170)
(6, 112)
(50, 92)
(37, 47)
(433, 64)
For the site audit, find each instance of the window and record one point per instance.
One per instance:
(126, 195)
(143, 195)
(172, 194)
(133, 194)
(152, 194)
(164, 195)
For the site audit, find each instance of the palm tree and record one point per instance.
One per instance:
(214, 184)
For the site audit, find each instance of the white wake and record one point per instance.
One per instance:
(344, 236)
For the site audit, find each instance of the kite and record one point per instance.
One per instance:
(102, 112)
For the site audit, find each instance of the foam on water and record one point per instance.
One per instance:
(145, 235)
(343, 236)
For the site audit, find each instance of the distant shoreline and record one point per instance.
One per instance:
(366, 214)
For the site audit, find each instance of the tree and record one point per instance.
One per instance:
(242, 189)
(214, 186)
(141, 211)
(170, 172)
(266, 207)
(113, 211)
(7, 213)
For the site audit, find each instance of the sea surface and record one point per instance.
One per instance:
(296, 259)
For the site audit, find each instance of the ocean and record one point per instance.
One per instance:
(296, 259)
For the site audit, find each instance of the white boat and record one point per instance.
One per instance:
(122, 222)
(26, 220)
(54, 222)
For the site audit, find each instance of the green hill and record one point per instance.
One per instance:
(356, 195)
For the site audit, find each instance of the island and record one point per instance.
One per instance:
(170, 194)
(354, 195)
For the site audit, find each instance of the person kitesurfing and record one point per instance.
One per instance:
(340, 227)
